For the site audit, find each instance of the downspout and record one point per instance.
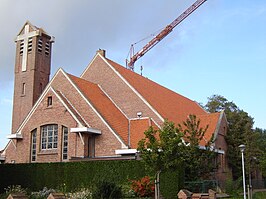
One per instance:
(129, 145)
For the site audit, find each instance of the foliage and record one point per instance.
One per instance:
(233, 188)
(13, 189)
(198, 162)
(71, 176)
(171, 146)
(240, 131)
(143, 187)
(83, 193)
(107, 190)
(259, 195)
(163, 152)
(42, 194)
(261, 143)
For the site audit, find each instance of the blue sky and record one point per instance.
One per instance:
(219, 49)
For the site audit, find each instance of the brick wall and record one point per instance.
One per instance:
(99, 72)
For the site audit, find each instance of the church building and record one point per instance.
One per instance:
(102, 114)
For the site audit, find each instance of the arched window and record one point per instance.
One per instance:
(33, 145)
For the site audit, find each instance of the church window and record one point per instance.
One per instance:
(65, 143)
(30, 45)
(40, 45)
(49, 137)
(33, 145)
(47, 48)
(23, 91)
(49, 101)
(21, 47)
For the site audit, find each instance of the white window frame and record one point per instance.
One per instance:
(49, 137)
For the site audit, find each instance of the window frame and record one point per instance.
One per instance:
(49, 101)
(49, 137)
(65, 143)
(33, 157)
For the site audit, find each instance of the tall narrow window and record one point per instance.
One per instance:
(49, 101)
(65, 143)
(49, 135)
(33, 145)
(23, 92)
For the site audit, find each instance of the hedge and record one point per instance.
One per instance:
(70, 176)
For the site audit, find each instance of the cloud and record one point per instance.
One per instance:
(81, 27)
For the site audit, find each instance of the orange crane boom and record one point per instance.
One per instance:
(163, 33)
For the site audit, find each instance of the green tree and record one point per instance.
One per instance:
(160, 149)
(239, 132)
(260, 160)
(199, 162)
(172, 146)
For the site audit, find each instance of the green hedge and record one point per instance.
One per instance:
(74, 175)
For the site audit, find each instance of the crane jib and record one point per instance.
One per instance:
(163, 33)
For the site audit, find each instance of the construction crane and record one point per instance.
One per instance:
(161, 35)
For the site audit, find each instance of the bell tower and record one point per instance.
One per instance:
(32, 70)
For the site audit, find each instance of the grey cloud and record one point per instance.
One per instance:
(81, 27)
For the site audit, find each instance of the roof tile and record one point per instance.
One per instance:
(113, 116)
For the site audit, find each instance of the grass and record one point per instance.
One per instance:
(258, 195)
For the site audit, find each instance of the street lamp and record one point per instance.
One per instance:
(242, 149)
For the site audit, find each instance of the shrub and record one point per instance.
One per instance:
(83, 193)
(42, 194)
(107, 190)
(143, 187)
(13, 189)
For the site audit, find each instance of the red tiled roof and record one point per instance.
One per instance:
(211, 120)
(169, 105)
(116, 120)
(137, 129)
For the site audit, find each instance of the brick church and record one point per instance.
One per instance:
(100, 114)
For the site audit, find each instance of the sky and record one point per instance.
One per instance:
(219, 49)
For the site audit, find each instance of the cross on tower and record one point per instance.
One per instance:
(25, 37)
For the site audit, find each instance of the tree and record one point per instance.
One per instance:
(160, 149)
(172, 146)
(199, 163)
(239, 132)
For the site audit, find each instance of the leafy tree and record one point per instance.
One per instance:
(198, 162)
(172, 146)
(260, 160)
(239, 132)
(160, 149)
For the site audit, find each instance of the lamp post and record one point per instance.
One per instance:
(242, 149)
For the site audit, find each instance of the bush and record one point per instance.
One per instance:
(81, 194)
(42, 194)
(107, 190)
(143, 187)
(13, 189)
(70, 177)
